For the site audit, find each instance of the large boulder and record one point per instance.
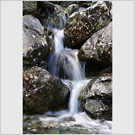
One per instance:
(96, 97)
(52, 15)
(81, 25)
(30, 7)
(36, 42)
(97, 50)
(43, 92)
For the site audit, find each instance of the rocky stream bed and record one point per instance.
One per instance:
(67, 67)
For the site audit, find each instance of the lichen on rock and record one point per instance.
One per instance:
(96, 97)
(97, 50)
(43, 92)
(36, 42)
(81, 25)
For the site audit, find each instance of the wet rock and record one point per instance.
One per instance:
(43, 92)
(63, 3)
(97, 50)
(109, 4)
(36, 42)
(73, 8)
(51, 127)
(52, 15)
(43, 64)
(81, 25)
(106, 70)
(96, 97)
(85, 4)
(30, 7)
(67, 119)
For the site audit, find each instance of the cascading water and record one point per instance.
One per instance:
(58, 40)
(73, 103)
(74, 70)
(64, 63)
(69, 63)
(66, 60)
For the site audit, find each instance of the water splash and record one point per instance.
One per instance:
(69, 63)
(73, 102)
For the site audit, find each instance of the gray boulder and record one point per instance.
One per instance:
(96, 97)
(97, 50)
(81, 25)
(43, 92)
(36, 43)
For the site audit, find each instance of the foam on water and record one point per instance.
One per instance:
(81, 120)
(73, 102)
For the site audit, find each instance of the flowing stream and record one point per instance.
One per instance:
(66, 60)
(64, 63)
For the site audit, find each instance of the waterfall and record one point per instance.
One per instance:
(58, 41)
(68, 62)
(73, 103)
(66, 58)
(65, 63)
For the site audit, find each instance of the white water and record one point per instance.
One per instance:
(73, 103)
(67, 58)
(58, 40)
(72, 67)
(74, 70)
